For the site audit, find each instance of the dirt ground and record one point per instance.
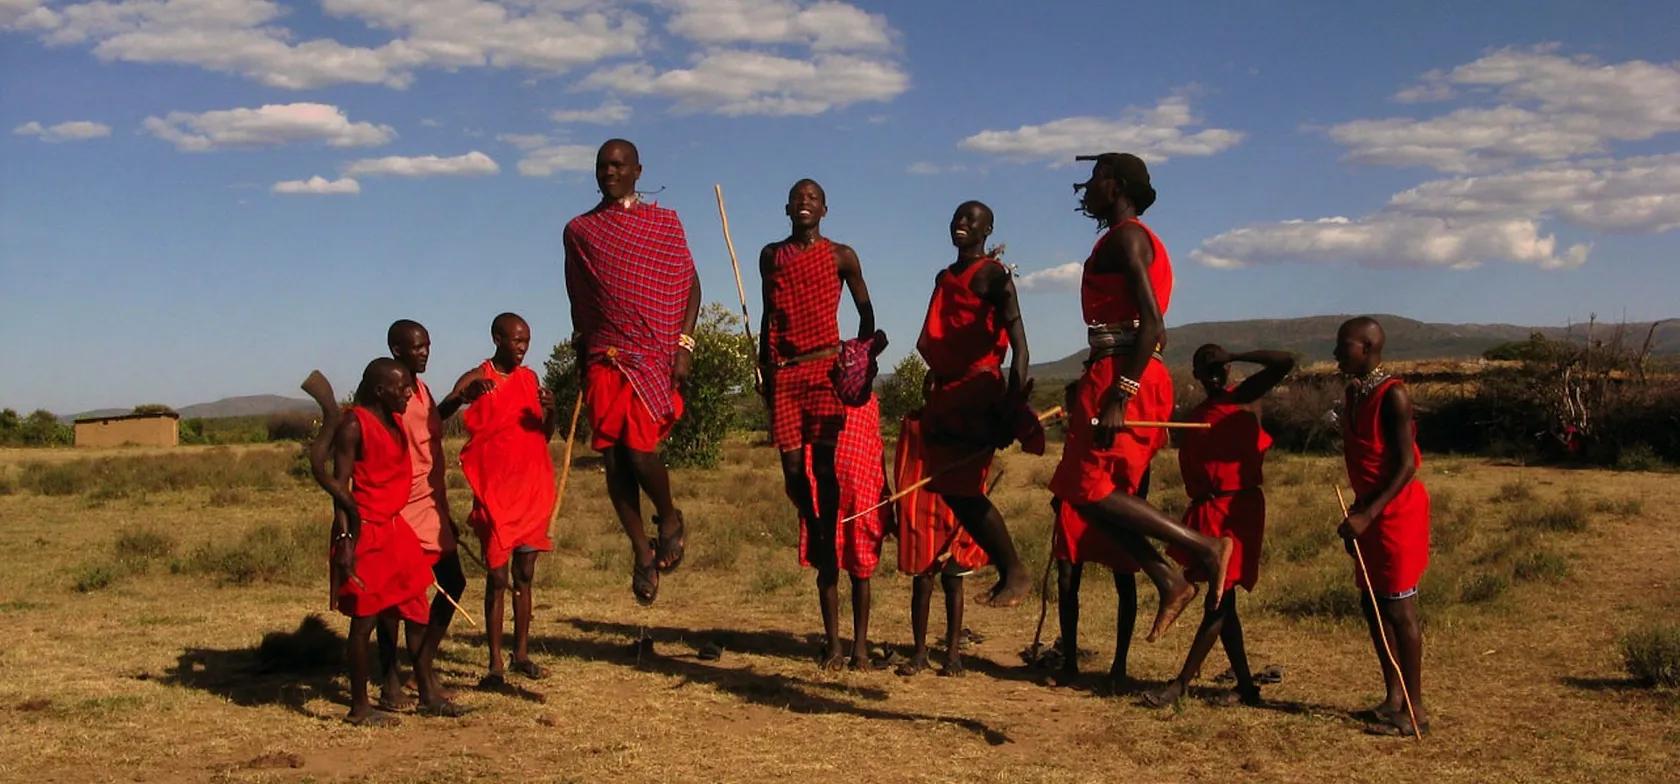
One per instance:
(149, 675)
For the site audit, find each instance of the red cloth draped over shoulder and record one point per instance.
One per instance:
(928, 531)
(628, 275)
(508, 466)
(428, 500)
(1086, 473)
(803, 307)
(392, 570)
(1396, 546)
(858, 465)
(1223, 472)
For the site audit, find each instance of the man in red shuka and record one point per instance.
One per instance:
(387, 573)
(1124, 292)
(859, 464)
(1222, 473)
(635, 296)
(510, 419)
(1389, 517)
(799, 338)
(974, 320)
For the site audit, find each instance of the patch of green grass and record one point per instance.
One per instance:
(1453, 523)
(1324, 595)
(1624, 508)
(771, 578)
(609, 558)
(266, 554)
(57, 479)
(1568, 516)
(224, 497)
(8, 486)
(143, 543)
(1519, 491)
(119, 477)
(22, 605)
(98, 577)
(1652, 655)
(1483, 587)
(1639, 457)
(1541, 566)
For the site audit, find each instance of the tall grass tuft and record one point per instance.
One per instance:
(266, 554)
(1652, 655)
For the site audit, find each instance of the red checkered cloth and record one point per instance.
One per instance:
(628, 274)
(803, 303)
(863, 483)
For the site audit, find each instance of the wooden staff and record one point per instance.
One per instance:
(1044, 417)
(455, 604)
(565, 465)
(741, 289)
(1376, 613)
(320, 390)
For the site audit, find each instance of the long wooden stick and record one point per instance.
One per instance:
(740, 288)
(455, 604)
(1376, 612)
(565, 466)
(1044, 417)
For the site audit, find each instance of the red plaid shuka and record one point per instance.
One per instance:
(628, 274)
(863, 483)
(803, 306)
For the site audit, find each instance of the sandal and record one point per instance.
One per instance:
(669, 550)
(1397, 725)
(711, 651)
(644, 582)
(1235, 697)
(1157, 698)
(444, 709)
(529, 669)
(373, 719)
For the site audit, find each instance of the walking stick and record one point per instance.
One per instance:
(746, 320)
(1377, 613)
(565, 465)
(455, 604)
(320, 390)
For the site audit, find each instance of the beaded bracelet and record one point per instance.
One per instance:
(686, 343)
(1127, 387)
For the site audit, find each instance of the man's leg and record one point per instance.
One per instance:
(1209, 633)
(820, 531)
(1068, 577)
(495, 583)
(921, 596)
(1235, 650)
(1128, 520)
(652, 477)
(524, 576)
(860, 624)
(448, 575)
(985, 525)
(1405, 637)
(953, 585)
(391, 697)
(1125, 624)
(356, 651)
(625, 494)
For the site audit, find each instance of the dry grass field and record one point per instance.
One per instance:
(135, 588)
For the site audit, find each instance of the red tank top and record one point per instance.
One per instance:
(1104, 298)
(381, 479)
(962, 331)
(1227, 456)
(1362, 440)
(804, 300)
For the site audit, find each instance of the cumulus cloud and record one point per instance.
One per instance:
(545, 156)
(268, 126)
(737, 82)
(608, 113)
(1390, 240)
(1154, 134)
(1061, 278)
(473, 164)
(822, 26)
(75, 130)
(317, 186)
(1545, 107)
(927, 168)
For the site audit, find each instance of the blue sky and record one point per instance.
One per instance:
(163, 236)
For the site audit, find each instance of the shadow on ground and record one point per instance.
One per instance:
(287, 668)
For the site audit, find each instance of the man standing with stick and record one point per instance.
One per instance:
(635, 297)
(798, 342)
(1387, 527)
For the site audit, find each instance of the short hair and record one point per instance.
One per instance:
(402, 328)
(821, 194)
(503, 321)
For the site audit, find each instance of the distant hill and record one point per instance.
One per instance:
(1313, 338)
(248, 405)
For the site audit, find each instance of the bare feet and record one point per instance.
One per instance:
(1062, 678)
(953, 668)
(914, 667)
(371, 718)
(1172, 605)
(394, 701)
(1164, 697)
(446, 709)
(832, 662)
(864, 664)
(1008, 592)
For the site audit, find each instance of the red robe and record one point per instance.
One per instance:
(863, 484)
(508, 466)
(393, 572)
(1396, 546)
(1222, 470)
(428, 500)
(928, 531)
(1087, 474)
(966, 416)
(802, 316)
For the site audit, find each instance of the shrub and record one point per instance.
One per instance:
(268, 554)
(1652, 655)
(1514, 492)
(98, 577)
(1320, 596)
(57, 479)
(143, 544)
(1541, 565)
(902, 392)
(8, 486)
(290, 426)
(1568, 516)
(1483, 587)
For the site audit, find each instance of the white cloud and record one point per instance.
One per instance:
(1390, 240)
(430, 123)
(1634, 195)
(1061, 278)
(268, 126)
(24, 14)
(608, 113)
(1154, 134)
(75, 130)
(316, 186)
(473, 164)
(735, 83)
(1546, 107)
(823, 26)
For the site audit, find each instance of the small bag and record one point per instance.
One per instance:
(855, 368)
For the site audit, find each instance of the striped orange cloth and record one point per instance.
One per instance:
(928, 532)
(863, 483)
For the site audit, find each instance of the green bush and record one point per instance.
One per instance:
(902, 392)
(1569, 516)
(1541, 565)
(98, 577)
(1320, 596)
(1652, 655)
(143, 544)
(267, 554)
(1483, 587)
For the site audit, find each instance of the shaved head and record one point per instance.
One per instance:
(503, 324)
(1359, 346)
(382, 369)
(1365, 329)
(821, 194)
(410, 344)
(403, 331)
(634, 156)
(385, 382)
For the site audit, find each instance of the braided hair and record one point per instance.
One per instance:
(1129, 171)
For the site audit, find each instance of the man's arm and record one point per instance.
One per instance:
(574, 281)
(766, 269)
(1275, 365)
(347, 443)
(1131, 258)
(551, 413)
(1395, 419)
(851, 271)
(683, 357)
(998, 288)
